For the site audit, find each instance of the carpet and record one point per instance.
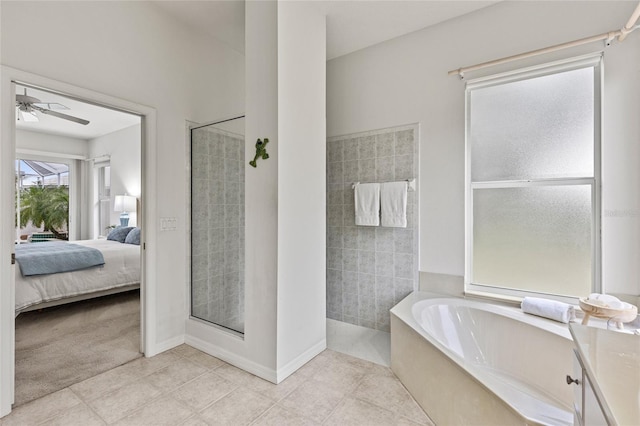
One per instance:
(57, 347)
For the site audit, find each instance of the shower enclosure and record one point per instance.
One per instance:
(217, 223)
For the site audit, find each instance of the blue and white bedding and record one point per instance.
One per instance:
(121, 268)
(53, 257)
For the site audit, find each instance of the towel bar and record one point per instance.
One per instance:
(411, 182)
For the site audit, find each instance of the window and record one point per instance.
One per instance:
(42, 199)
(103, 172)
(533, 178)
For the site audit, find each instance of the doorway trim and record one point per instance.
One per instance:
(148, 144)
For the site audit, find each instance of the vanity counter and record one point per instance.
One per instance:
(612, 363)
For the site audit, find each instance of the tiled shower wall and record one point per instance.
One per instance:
(369, 268)
(217, 242)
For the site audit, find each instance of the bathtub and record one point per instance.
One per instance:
(468, 362)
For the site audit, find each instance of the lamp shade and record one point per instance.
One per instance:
(125, 203)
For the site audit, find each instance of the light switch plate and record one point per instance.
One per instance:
(168, 223)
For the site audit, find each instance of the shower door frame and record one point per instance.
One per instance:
(190, 126)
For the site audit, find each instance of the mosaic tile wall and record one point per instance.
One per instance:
(217, 227)
(369, 268)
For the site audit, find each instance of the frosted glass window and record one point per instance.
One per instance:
(533, 181)
(541, 127)
(535, 238)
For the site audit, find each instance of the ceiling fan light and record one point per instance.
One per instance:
(29, 116)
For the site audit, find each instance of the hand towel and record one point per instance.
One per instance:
(393, 201)
(367, 204)
(552, 309)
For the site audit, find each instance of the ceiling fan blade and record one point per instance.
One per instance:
(60, 115)
(48, 105)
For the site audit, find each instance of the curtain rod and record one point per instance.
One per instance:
(611, 35)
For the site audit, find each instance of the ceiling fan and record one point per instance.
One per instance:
(28, 105)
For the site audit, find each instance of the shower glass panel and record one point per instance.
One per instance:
(217, 223)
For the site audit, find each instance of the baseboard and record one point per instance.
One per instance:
(233, 359)
(164, 346)
(293, 365)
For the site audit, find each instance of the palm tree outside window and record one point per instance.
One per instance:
(42, 198)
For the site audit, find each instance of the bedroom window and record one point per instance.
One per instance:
(533, 174)
(42, 200)
(104, 197)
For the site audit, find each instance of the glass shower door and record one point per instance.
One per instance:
(217, 223)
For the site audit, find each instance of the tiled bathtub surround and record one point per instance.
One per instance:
(369, 268)
(217, 242)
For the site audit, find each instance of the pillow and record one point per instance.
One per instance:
(133, 237)
(119, 234)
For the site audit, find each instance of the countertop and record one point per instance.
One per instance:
(612, 362)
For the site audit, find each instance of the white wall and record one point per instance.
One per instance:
(284, 196)
(301, 183)
(124, 149)
(405, 81)
(256, 351)
(136, 52)
(56, 144)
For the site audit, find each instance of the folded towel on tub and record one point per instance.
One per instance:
(367, 204)
(552, 309)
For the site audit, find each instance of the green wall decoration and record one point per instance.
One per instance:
(261, 151)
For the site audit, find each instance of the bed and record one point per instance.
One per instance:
(120, 272)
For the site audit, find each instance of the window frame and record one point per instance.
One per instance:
(100, 198)
(594, 61)
(72, 179)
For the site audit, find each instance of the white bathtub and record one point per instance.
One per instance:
(469, 362)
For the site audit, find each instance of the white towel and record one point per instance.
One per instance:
(552, 309)
(367, 204)
(393, 201)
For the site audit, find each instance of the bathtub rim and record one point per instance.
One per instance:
(403, 311)
(508, 311)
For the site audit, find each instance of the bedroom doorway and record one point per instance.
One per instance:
(73, 322)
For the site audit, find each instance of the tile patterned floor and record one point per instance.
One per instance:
(187, 387)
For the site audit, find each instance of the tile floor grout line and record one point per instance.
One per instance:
(189, 381)
(218, 399)
(305, 379)
(90, 408)
(126, 415)
(87, 405)
(345, 396)
(160, 396)
(125, 383)
(264, 413)
(153, 399)
(59, 414)
(393, 411)
(338, 405)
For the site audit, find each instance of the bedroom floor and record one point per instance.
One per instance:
(58, 347)
(184, 386)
